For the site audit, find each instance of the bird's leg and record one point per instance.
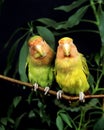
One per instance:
(81, 97)
(46, 90)
(35, 87)
(59, 94)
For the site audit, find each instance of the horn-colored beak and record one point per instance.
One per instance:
(40, 50)
(66, 48)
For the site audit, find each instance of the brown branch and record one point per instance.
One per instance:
(66, 97)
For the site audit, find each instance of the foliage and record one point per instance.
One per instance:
(63, 116)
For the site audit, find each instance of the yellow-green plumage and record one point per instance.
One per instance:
(71, 69)
(43, 75)
(39, 61)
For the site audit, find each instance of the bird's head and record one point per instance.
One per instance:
(66, 43)
(37, 47)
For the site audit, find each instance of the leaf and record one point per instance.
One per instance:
(102, 51)
(68, 8)
(10, 57)
(73, 19)
(31, 114)
(4, 120)
(76, 17)
(22, 62)
(16, 101)
(91, 79)
(101, 24)
(2, 127)
(18, 120)
(65, 117)
(11, 120)
(48, 22)
(47, 35)
(16, 32)
(59, 123)
(93, 102)
(97, 58)
(99, 124)
(12, 53)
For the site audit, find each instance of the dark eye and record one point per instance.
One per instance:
(61, 45)
(43, 42)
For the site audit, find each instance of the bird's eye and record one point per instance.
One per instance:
(60, 44)
(42, 42)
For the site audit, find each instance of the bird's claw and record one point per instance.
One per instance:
(46, 90)
(59, 94)
(35, 87)
(81, 97)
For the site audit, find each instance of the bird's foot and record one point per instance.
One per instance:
(46, 90)
(35, 87)
(81, 97)
(59, 94)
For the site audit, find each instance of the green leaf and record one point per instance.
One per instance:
(102, 51)
(18, 120)
(76, 17)
(99, 124)
(47, 35)
(16, 101)
(93, 102)
(65, 117)
(11, 120)
(48, 22)
(97, 58)
(73, 19)
(12, 53)
(91, 79)
(68, 8)
(22, 62)
(4, 120)
(2, 127)
(59, 123)
(11, 57)
(31, 114)
(101, 24)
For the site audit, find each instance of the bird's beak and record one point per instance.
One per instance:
(66, 48)
(40, 50)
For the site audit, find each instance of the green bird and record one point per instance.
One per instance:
(39, 62)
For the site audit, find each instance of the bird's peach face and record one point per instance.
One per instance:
(65, 44)
(65, 47)
(36, 48)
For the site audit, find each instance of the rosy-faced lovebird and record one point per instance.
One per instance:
(71, 69)
(39, 61)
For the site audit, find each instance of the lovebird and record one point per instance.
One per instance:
(71, 69)
(39, 62)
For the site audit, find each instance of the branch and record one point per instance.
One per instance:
(66, 97)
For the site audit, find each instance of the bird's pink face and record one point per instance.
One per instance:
(67, 48)
(38, 48)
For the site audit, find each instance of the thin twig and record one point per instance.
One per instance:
(66, 97)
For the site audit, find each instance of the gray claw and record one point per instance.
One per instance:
(59, 94)
(35, 87)
(81, 97)
(46, 90)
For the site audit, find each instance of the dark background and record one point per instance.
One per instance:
(15, 14)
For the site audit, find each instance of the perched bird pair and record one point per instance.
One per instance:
(70, 70)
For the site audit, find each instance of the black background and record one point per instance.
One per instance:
(16, 13)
